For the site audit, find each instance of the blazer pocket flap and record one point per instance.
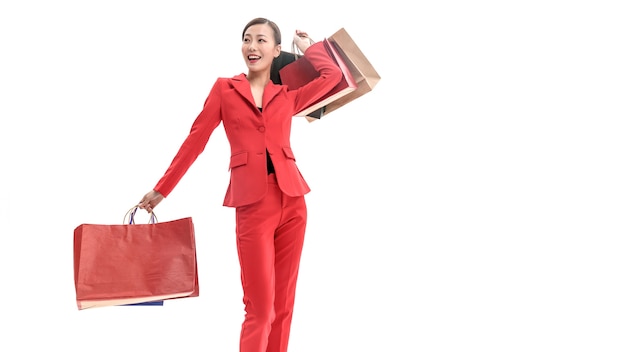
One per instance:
(288, 153)
(238, 160)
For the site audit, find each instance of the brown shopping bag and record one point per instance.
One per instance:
(134, 263)
(362, 70)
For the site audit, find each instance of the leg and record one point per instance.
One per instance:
(256, 225)
(288, 242)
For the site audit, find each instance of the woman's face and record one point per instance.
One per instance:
(259, 47)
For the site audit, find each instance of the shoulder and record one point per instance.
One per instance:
(230, 81)
(237, 78)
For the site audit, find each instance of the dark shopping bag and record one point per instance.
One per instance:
(132, 263)
(153, 303)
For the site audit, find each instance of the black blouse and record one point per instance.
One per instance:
(270, 164)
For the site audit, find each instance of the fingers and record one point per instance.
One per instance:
(147, 207)
(146, 204)
(150, 201)
(301, 35)
(302, 40)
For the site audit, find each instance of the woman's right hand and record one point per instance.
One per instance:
(150, 201)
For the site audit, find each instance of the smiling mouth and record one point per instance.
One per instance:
(253, 58)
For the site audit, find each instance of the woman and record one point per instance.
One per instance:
(266, 188)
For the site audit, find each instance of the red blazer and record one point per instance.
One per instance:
(250, 132)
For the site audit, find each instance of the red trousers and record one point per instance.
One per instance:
(270, 235)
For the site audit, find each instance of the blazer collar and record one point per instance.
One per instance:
(241, 85)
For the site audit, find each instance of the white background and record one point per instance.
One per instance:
(474, 201)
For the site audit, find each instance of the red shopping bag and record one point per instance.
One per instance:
(301, 72)
(134, 263)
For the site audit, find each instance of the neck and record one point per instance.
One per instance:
(260, 79)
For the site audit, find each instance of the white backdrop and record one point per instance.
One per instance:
(474, 201)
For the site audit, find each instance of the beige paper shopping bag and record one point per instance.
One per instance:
(362, 70)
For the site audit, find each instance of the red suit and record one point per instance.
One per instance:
(270, 209)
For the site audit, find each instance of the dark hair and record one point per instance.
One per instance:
(261, 20)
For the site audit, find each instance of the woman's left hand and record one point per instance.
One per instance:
(302, 40)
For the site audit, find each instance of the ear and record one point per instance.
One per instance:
(277, 50)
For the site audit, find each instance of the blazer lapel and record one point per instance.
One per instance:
(271, 90)
(241, 85)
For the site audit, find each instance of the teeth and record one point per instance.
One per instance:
(253, 57)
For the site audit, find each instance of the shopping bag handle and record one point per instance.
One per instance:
(296, 51)
(130, 215)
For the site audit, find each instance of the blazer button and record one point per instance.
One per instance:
(262, 129)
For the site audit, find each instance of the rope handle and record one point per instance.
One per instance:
(130, 215)
(296, 51)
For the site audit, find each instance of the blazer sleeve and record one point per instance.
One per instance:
(330, 76)
(202, 128)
